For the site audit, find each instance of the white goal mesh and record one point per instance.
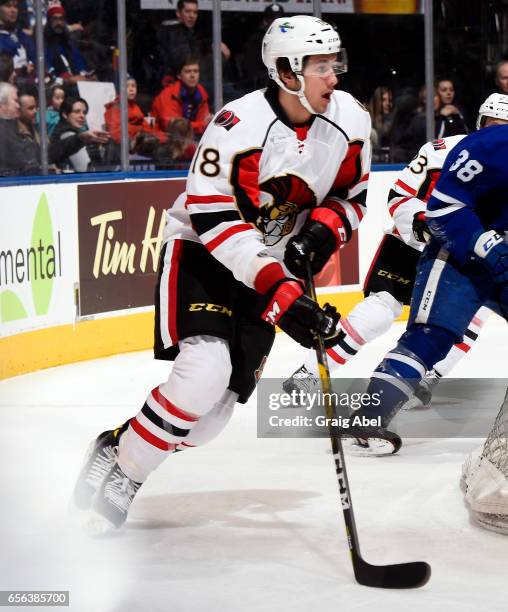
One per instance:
(485, 476)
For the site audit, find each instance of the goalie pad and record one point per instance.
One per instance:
(485, 477)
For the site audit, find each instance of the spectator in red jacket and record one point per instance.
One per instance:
(184, 98)
(136, 120)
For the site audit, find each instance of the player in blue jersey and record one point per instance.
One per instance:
(464, 266)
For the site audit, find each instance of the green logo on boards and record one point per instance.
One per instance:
(38, 264)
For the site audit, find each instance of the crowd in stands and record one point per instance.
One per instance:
(399, 123)
(165, 133)
(168, 102)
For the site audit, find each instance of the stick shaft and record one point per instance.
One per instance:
(335, 441)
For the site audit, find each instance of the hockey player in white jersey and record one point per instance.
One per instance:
(279, 178)
(390, 280)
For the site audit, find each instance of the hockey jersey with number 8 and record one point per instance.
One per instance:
(254, 179)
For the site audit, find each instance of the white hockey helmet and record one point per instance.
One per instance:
(496, 106)
(295, 38)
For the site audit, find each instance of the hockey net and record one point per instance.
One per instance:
(485, 476)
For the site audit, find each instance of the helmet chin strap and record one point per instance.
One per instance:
(300, 93)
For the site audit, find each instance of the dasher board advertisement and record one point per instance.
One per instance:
(120, 237)
(38, 257)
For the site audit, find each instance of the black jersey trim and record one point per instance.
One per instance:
(202, 222)
(334, 125)
(272, 97)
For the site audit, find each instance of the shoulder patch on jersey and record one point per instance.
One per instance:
(226, 119)
(439, 144)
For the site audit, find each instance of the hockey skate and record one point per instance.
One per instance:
(111, 503)
(370, 441)
(103, 491)
(100, 458)
(423, 393)
(301, 380)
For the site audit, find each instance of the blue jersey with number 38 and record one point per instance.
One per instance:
(472, 191)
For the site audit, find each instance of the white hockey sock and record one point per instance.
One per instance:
(199, 377)
(369, 319)
(458, 351)
(212, 423)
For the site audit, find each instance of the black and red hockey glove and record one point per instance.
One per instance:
(325, 231)
(300, 317)
(421, 230)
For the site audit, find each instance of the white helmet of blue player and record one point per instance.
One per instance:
(295, 38)
(495, 106)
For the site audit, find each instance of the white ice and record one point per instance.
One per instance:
(243, 524)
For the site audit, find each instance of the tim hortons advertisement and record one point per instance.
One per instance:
(120, 236)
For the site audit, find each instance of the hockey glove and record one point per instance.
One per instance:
(421, 230)
(300, 317)
(324, 232)
(491, 248)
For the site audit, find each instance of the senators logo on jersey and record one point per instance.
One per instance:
(226, 119)
(281, 199)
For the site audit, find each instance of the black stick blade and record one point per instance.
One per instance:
(397, 576)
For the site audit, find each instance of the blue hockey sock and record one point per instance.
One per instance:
(397, 376)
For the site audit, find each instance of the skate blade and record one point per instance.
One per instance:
(97, 526)
(414, 403)
(375, 447)
(87, 499)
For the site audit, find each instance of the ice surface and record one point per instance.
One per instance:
(243, 524)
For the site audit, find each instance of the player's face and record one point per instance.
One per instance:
(493, 121)
(188, 15)
(320, 80)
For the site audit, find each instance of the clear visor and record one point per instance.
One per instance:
(325, 67)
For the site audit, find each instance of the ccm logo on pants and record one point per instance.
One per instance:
(199, 306)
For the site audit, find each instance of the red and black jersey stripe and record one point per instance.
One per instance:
(245, 182)
(203, 222)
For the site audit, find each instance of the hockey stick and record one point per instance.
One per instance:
(398, 575)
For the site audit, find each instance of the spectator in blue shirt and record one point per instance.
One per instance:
(14, 42)
(63, 59)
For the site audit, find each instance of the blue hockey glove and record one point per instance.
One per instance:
(491, 248)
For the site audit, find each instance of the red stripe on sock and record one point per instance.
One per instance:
(171, 408)
(149, 437)
(346, 325)
(335, 356)
(463, 347)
